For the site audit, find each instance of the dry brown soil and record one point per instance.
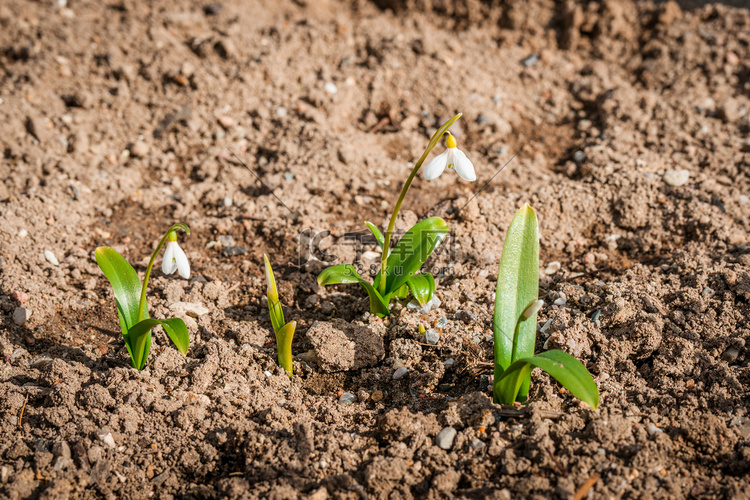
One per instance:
(630, 126)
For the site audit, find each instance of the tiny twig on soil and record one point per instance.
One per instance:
(558, 465)
(584, 489)
(23, 408)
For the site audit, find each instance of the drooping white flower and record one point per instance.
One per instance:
(175, 258)
(451, 157)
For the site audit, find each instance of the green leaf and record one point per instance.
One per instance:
(376, 232)
(126, 286)
(401, 293)
(562, 366)
(284, 345)
(422, 286)
(345, 273)
(140, 334)
(274, 305)
(412, 250)
(517, 287)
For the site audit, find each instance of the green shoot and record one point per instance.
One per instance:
(284, 331)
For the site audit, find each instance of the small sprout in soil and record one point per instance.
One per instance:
(516, 307)
(130, 296)
(284, 331)
(400, 265)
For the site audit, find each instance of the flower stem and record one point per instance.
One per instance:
(386, 244)
(142, 302)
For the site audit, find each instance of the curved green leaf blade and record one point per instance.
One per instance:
(376, 232)
(412, 250)
(345, 273)
(126, 286)
(563, 367)
(422, 286)
(517, 287)
(140, 335)
(284, 345)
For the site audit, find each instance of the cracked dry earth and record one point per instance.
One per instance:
(630, 124)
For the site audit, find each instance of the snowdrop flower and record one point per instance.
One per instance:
(451, 157)
(174, 258)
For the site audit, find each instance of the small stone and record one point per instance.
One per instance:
(227, 201)
(560, 301)
(21, 297)
(449, 362)
(466, 316)
(221, 436)
(441, 323)
(676, 178)
(51, 258)
(653, 430)
(399, 374)
(432, 304)
(742, 424)
(476, 444)
(331, 88)
(225, 121)
(21, 315)
(445, 438)
(552, 268)
(23, 233)
(234, 251)
(61, 449)
(139, 149)
(377, 396)
(106, 438)
(531, 60)
(267, 374)
(708, 292)
(579, 156)
(288, 176)
(281, 112)
(431, 336)
(730, 355)
(226, 240)
(347, 398)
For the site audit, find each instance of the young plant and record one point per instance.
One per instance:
(284, 331)
(397, 277)
(130, 296)
(516, 307)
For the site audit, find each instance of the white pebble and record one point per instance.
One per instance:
(281, 111)
(23, 233)
(676, 178)
(331, 88)
(560, 301)
(431, 336)
(652, 429)
(552, 268)
(51, 258)
(399, 374)
(267, 373)
(106, 438)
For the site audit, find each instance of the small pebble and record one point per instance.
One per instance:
(267, 373)
(228, 201)
(449, 362)
(432, 304)
(21, 315)
(331, 88)
(597, 314)
(139, 149)
(288, 176)
(708, 292)
(106, 438)
(531, 60)
(476, 444)
(466, 316)
(399, 374)
(653, 429)
(221, 436)
(730, 355)
(579, 156)
(347, 398)
(23, 233)
(281, 112)
(442, 322)
(476, 339)
(377, 396)
(431, 336)
(51, 258)
(676, 178)
(546, 326)
(21, 297)
(560, 301)
(226, 240)
(552, 268)
(445, 438)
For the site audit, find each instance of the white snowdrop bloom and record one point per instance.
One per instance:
(175, 258)
(451, 157)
